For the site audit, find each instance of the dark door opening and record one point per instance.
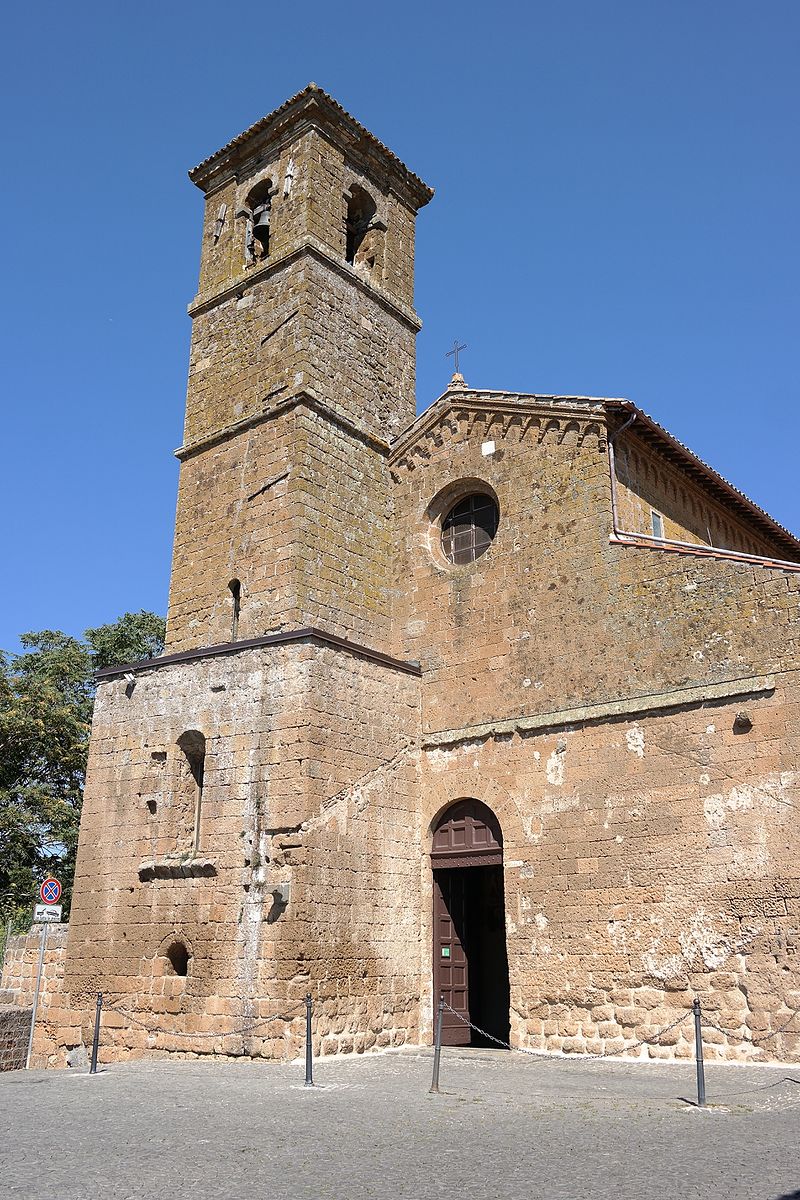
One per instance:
(470, 960)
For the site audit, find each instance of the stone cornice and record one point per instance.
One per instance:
(622, 709)
(308, 633)
(279, 408)
(205, 301)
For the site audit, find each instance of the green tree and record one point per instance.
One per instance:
(133, 637)
(46, 701)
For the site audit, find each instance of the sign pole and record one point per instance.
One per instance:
(42, 945)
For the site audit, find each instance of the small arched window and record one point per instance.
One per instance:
(177, 959)
(359, 221)
(193, 747)
(468, 529)
(235, 589)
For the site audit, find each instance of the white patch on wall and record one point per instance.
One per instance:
(635, 740)
(559, 804)
(541, 921)
(487, 448)
(555, 768)
(711, 729)
(704, 940)
(440, 760)
(717, 807)
(526, 683)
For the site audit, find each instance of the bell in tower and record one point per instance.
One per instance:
(260, 206)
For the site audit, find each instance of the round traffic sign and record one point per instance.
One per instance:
(50, 891)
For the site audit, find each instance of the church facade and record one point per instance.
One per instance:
(499, 702)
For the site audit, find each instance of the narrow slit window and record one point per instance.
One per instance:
(657, 522)
(235, 589)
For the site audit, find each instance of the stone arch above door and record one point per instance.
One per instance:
(467, 834)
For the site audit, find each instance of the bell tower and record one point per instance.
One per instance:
(302, 369)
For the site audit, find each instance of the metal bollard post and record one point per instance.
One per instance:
(698, 1054)
(437, 1052)
(96, 1038)
(309, 1060)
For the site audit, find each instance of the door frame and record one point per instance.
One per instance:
(475, 840)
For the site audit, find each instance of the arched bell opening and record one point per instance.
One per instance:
(470, 960)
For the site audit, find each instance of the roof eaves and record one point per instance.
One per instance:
(308, 95)
(702, 468)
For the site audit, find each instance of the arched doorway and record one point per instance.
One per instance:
(470, 963)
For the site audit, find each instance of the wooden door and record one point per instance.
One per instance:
(450, 967)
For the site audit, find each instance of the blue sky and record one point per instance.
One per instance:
(615, 214)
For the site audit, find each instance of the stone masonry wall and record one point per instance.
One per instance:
(588, 694)
(239, 505)
(17, 988)
(648, 860)
(309, 758)
(15, 1024)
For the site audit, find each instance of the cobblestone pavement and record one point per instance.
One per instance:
(504, 1126)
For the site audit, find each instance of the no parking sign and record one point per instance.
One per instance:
(50, 891)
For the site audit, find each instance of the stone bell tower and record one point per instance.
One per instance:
(224, 863)
(301, 369)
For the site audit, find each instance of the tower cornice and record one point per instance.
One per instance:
(308, 245)
(312, 108)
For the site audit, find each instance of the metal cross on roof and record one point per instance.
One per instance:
(454, 353)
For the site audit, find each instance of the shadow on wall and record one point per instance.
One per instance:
(789, 1195)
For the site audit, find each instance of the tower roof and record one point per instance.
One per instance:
(314, 108)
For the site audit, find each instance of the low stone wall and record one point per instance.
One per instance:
(17, 987)
(15, 1024)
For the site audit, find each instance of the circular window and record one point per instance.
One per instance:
(469, 528)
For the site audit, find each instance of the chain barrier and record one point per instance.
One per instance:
(538, 1053)
(240, 1031)
(217, 1033)
(696, 1014)
(750, 1039)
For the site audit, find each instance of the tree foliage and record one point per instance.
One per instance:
(46, 701)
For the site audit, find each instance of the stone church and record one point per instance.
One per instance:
(499, 702)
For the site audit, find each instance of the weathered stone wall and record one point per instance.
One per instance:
(54, 1025)
(647, 482)
(15, 1024)
(309, 757)
(553, 616)
(648, 859)
(239, 505)
(587, 693)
